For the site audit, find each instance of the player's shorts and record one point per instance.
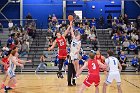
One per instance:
(62, 54)
(81, 62)
(113, 75)
(11, 73)
(74, 56)
(92, 79)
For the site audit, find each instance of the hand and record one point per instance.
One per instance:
(49, 49)
(21, 65)
(29, 61)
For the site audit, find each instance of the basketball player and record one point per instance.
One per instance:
(5, 62)
(112, 65)
(62, 53)
(101, 58)
(93, 73)
(13, 62)
(75, 49)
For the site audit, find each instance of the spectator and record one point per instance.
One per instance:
(81, 62)
(49, 33)
(85, 56)
(54, 20)
(134, 61)
(28, 17)
(9, 41)
(120, 19)
(1, 28)
(123, 59)
(50, 42)
(5, 50)
(132, 47)
(126, 21)
(12, 45)
(139, 62)
(109, 20)
(49, 18)
(0, 53)
(10, 25)
(125, 45)
(92, 36)
(28, 44)
(93, 23)
(42, 64)
(94, 43)
(24, 48)
(0, 44)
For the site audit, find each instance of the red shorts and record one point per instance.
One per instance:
(92, 79)
(62, 54)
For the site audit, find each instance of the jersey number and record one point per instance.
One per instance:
(114, 62)
(61, 43)
(93, 66)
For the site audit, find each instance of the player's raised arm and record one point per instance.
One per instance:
(81, 69)
(68, 29)
(72, 32)
(53, 45)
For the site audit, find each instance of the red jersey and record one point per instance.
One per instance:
(93, 67)
(99, 58)
(61, 42)
(6, 61)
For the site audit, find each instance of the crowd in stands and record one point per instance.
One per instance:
(19, 36)
(86, 28)
(126, 36)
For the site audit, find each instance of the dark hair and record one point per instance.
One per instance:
(57, 32)
(110, 52)
(15, 47)
(91, 55)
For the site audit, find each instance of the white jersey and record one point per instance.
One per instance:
(112, 62)
(12, 66)
(74, 45)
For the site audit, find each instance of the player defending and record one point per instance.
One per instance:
(62, 53)
(101, 58)
(93, 73)
(75, 49)
(112, 65)
(13, 60)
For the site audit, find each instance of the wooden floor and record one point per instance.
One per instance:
(48, 83)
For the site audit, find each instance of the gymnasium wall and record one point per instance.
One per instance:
(132, 9)
(11, 11)
(40, 9)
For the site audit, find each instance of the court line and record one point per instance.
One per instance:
(131, 83)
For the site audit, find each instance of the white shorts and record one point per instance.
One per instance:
(113, 75)
(74, 56)
(11, 73)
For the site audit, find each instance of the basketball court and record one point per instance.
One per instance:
(49, 83)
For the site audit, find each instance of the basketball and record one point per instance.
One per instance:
(70, 18)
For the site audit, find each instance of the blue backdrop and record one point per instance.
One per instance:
(40, 9)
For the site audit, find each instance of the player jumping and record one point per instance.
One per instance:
(62, 53)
